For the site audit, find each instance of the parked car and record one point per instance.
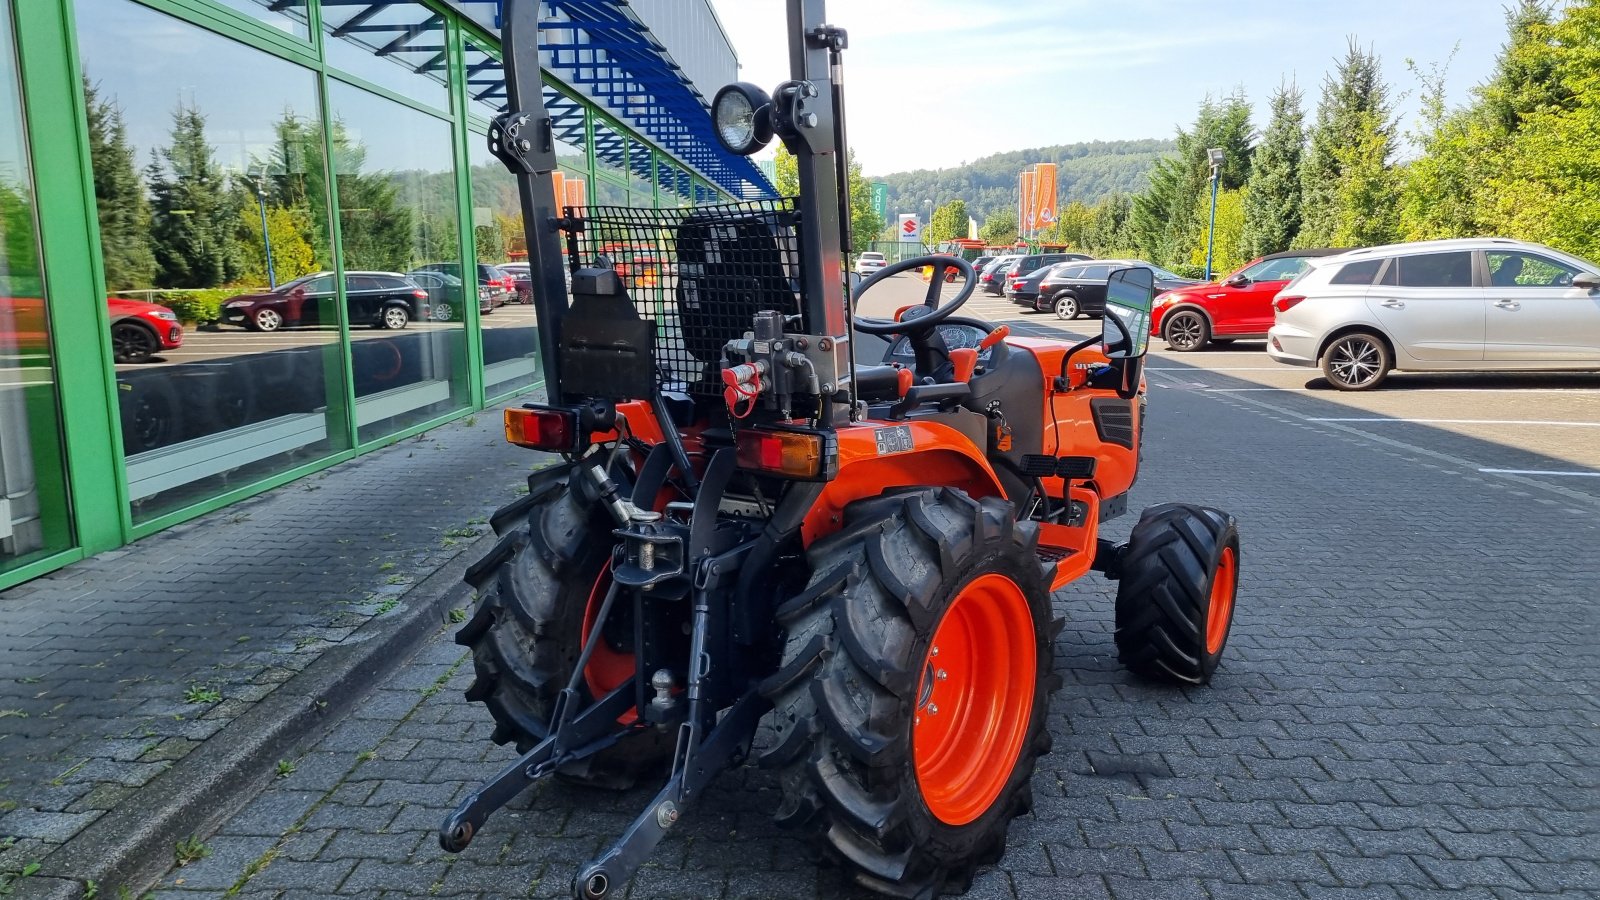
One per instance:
(521, 280)
(379, 299)
(869, 263)
(140, 330)
(1453, 305)
(501, 285)
(1030, 263)
(1075, 289)
(993, 277)
(1233, 308)
(980, 262)
(446, 296)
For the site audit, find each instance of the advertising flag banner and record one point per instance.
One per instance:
(1025, 190)
(577, 192)
(558, 180)
(1044, 195)
(880, 200)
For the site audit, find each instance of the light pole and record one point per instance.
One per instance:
(1216, 155)
(266, 238)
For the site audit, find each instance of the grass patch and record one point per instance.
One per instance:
(285, 768)
(190, 849)
(202, 693)
(458, 615)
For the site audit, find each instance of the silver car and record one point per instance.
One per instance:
(1455, 305)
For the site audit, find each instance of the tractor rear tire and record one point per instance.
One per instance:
(866, 754)
(527, 631)
(1175, 597)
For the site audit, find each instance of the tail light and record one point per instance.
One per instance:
(553, 430)
(789, 454)
(1017, 285)
(420, 295)
(1284, 304)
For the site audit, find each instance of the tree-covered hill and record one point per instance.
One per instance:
(1089, 171)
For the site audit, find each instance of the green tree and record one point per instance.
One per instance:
(1272, 205)
(948, 222)
(376, 225)
(119, 193)
(1073, 224)
(1000, 229)
(1165, 223)
(1354, 113)
(1228, 251)
(1438, 188)
(865, 224)
(1546, 181)
(195, 214)
(1110, 235)
(292, 256)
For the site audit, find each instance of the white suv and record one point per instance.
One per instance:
(1466, 304)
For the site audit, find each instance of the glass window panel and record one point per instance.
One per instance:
(640, 175)
(509, 338)
(610, 152)
(1514, 269)
(33, 503)
(397, 214)
(193, 149)
(1436, 270)
(395, 45)
(285, 15)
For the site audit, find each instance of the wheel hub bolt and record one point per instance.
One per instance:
(941, 675)
(933, 709)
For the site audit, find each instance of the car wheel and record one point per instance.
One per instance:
(1186, 331)
(1357, 362)
(1067, 307)
(442, 312)
(267, 320)
(394, 318)
(132, 343)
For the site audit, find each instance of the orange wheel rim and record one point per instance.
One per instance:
(608, 668)
(975, 699)
(1220, 612)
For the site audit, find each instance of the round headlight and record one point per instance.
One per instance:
(742, 115)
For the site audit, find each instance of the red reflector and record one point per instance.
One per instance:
(542, 429)
(1284, 304)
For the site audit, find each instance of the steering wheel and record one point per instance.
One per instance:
(938, 312)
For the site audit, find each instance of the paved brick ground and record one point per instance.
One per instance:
(1409, 706)
(114, 668)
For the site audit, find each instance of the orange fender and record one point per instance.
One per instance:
(876, 456)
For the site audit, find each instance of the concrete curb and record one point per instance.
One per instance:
(132, 845)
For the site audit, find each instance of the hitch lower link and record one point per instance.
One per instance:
(706, 745)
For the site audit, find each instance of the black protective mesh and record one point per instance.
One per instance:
(702, 273)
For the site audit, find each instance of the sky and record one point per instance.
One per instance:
(935, 83)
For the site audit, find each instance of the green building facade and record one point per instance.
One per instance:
(241, 240)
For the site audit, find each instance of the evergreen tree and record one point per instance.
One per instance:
(1272, 205)
(1354, 112)
(195, 215)
(1165, 223)
(377, 227)
(119, 193)
(1110, 234)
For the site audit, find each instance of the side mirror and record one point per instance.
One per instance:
(1586, 280)
(1125, 326)
(1237, 281)
(854, 280)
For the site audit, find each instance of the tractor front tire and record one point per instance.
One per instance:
(1175, 596)
(527, 631)
(910, 706)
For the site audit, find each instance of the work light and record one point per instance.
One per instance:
(742, 115)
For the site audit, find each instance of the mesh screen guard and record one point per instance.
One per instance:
(701, 273)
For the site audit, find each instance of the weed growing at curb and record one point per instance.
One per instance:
(285, 768)
(200, 693)
(190, 849)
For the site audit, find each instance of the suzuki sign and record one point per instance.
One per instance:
(910, 229)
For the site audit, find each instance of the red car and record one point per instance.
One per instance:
(139, 330)
(1238, 307)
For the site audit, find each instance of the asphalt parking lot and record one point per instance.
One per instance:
(1409, 706)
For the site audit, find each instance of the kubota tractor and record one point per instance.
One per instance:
(788, 533)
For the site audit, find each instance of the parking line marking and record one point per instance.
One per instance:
(1590, 391)
(1284, 369)
(1460, 421)
(1540, 472)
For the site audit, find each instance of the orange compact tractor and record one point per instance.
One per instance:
(785, 533)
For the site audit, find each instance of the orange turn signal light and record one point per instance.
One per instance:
(789, 454)
(553, 430)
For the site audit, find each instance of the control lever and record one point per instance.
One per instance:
(994, 337)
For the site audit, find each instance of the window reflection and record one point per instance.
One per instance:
(33, 506)
(211, 189)
(510, 343)
(285, 15)
(397, 44)
(397, 219)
